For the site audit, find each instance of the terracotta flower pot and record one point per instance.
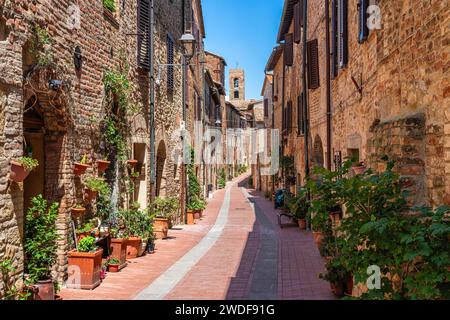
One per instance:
(78, 212)
(302, 224)
(114, 268)
(119, 251)
(90, 195)
(197, 215)
(86, 268)
(132, 163)
(45, 290)
(349, 285)
(18, 172)
(190, 218)
(133, 247)
(80, 169)
(102, 165)
(319, 238)
(161, 228)
(359, 169)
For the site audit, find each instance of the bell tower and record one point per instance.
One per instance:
(237, 85)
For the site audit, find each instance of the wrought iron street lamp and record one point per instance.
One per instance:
(188, 42)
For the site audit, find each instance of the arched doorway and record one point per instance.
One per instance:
(318, 157)
(160, 170)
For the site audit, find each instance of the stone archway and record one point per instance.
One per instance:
(317, 155)
(161, 155)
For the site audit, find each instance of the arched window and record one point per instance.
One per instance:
(236, 83)
(236, 94)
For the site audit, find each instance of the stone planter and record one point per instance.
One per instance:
(18, 172)
(102, 165)
(80, 169)
(190, 217)
(119, 251)
(89, 265)
(302, 224)
(45, 290)
(133, 247)
(161, 227)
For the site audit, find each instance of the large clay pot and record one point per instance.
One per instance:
(133, 247)
(190, 218)
(45, 290)
(161, 227)
(102, 165)
(319, 238)
(80, 169)
(119, 251)
(84, 269)
(17, 172)
(197, 215)
(302, 224)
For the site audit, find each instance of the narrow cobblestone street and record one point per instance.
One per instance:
(236, 251)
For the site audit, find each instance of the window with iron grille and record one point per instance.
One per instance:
(143, 34)
(170, 61)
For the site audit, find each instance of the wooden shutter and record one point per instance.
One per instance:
(313, 64)
(170, 60)
(266, 108)
(300, 115)
(334, 39)
(289, 50)
(144, 34)
(298, 21)
(343, 33)
(363, 29)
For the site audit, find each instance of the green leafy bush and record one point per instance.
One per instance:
(87, 244)
(28, 163)
(97, 184)
(222, 179)
(41, 237)
(165, 207)
(299, 205)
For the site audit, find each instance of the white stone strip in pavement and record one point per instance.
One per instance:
(167, 281)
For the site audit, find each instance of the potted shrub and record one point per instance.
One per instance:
(299, 208)
(87, 258)
(102, 165)
(119, 244)
(21, 168)
(81, 167)
(40, 246)
(164, 210)
(131, 219)
(94, 186)
(337, 276)
(85, 230)
(113, 265)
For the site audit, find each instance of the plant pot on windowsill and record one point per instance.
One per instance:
(89, 265)
(102, 165)
(161, 227)
(80, 168)
(133, 247)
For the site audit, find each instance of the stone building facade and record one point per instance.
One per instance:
(389, 96)
(53, 104)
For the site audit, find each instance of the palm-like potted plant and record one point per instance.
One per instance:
(40, 245)
(21, 168)
(81, 167)
(86, 261)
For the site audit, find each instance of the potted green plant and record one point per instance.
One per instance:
(131, 221)
(94, 186)
(81, 167)
(164, 211)
(337, 276)
(21, 168)
(85, 230)
(40, 246)
(119, 242)
(298, 207)
(113, 265)
(87, 258)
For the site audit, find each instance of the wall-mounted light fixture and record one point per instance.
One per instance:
(77, 58)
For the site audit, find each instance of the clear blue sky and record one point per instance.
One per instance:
(244, 33)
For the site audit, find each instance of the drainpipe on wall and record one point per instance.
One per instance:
(152, 101)
(328, 77)
(283, 121)
(305, 85)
